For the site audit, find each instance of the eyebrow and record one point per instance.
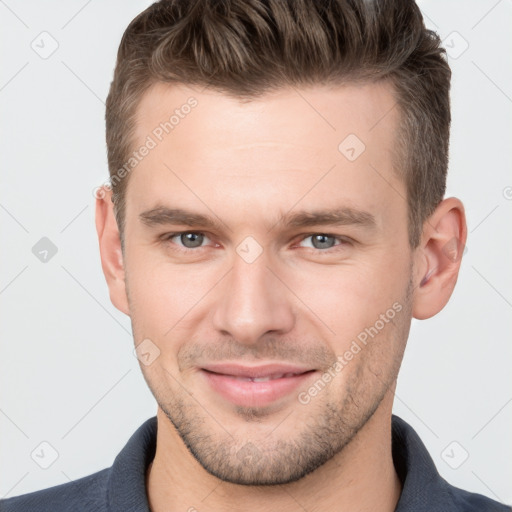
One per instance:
(162, 215)
(345, 216)
(338, 217)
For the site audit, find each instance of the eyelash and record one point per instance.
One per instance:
(167, 238)
(343, 241)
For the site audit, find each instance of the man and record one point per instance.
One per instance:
(275, 219)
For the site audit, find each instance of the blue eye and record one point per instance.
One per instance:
(188, 239)
(321, 241)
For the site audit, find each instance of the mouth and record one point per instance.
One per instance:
(255, 386)
(264, 379)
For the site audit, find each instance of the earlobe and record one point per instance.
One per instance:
(110, 250)
(439, 257)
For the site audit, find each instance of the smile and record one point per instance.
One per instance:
(255, 386)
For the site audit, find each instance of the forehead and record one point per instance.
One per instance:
(267, 152)
(323, 113)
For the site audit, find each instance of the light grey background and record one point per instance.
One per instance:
(68, 374)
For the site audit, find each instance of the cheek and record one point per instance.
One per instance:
(163, 295)
(349, 298)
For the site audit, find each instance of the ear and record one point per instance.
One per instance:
(438, 258)
(110, 249)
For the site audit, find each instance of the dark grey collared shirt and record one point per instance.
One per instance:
(121, 488)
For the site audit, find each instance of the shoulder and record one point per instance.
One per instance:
(465, 501)
(423, 488)
(87, 493)
(120, 487)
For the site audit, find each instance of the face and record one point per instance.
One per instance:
(268, 271)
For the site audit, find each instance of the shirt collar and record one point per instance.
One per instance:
(126, 490)
(423, 489)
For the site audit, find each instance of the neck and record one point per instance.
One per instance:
(361, 477)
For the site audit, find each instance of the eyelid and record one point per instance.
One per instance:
(166, 237)
(344, 240)
(323, 233)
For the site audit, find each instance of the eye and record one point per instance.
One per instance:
(320, 241)
(188, 239)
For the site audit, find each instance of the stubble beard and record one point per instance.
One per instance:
(306, 439)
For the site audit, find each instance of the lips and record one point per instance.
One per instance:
(255, 386)
(266, 378)
(253, 372)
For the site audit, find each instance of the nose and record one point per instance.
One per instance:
(253, 303)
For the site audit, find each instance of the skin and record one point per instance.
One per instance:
(250, 165)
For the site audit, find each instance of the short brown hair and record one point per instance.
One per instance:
(245, 48)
